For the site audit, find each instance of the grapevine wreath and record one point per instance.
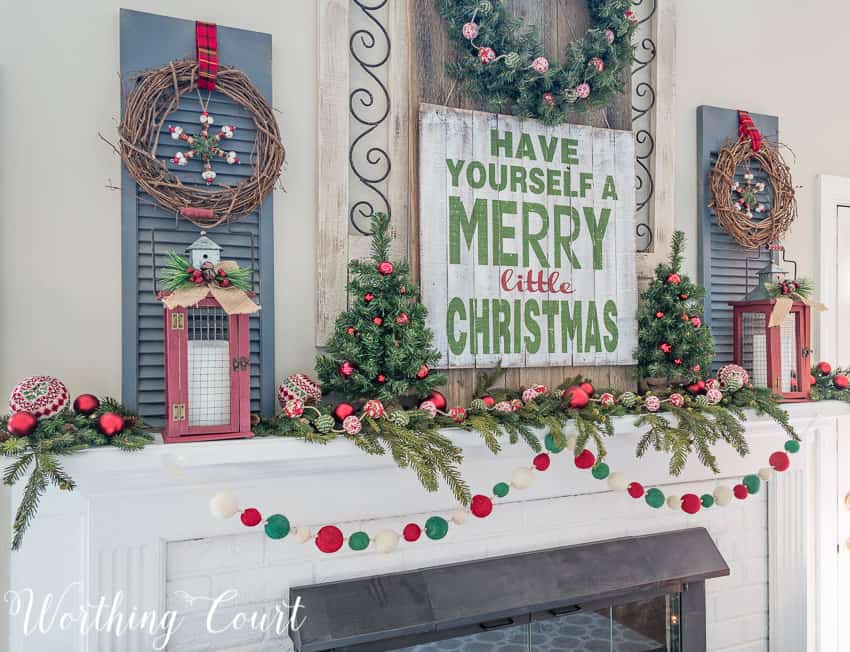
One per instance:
(754, 213)
(502, 64)
(156, 95)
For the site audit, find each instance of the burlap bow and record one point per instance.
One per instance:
(783, 306)
(232, 300)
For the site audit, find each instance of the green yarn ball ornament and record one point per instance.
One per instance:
(399, 418)
(655, 498)
(792, 446)
(501, 489)
(752, 482)
(478, 404)
(324, 423)
(552, 444)
(358, 541)
(436, 528)
(707, 500)
(571, 95)
(600, 471)
(277, 526)
(485, 7)
(628, 399)
(733, 384)
(513, 59)
(701, 400)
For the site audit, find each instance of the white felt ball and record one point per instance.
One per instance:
(522, 477)
(224, 504)
(674, 502)
(723, 495)
(617, 481)
(386, 541)
(571, 443)
(765, 473)
(303, 534)
(459, 516)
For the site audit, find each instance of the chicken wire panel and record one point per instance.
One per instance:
(788, 352)
(755, 347)
(209, 367)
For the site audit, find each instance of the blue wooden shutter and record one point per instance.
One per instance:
(150, 41)
(727, 270)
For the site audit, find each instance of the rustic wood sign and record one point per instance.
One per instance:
(527, 240)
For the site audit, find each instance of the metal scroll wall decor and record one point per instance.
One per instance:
(369, 107)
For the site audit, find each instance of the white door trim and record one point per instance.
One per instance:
(832, 191)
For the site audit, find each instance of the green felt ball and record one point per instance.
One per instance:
(501, 489)
(601, 471)
(655, 498)
(792, 446)
(358, 541)
(752, 482)
(277, 526)
(707, 500)
(552, 444)
(436, 527)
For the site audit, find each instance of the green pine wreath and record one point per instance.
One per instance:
(502, 64)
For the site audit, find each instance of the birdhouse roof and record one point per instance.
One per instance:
(203, 243)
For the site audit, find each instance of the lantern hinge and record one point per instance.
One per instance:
(178, 321)
(240, 363)
(178, 411)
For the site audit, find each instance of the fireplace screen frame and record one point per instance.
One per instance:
(390, 612)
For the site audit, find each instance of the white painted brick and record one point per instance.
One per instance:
(177, 590)
(262, 585)
(754, 646)
(197, 556)
(736, 632)
(746, 601)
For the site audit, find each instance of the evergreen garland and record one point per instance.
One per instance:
(593, 70)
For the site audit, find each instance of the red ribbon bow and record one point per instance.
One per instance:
(206, 51)
(747, 129)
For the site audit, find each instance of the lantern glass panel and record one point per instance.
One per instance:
(209, 367)
(788, 352)
(754, 347)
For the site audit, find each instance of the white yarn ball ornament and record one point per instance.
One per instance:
(459, 517)
(386, 541)
(522, 477)
(765, 473)
(617, 481)
(723, 495)
(571, 443)
(674, 502)
(303, 534)
(224, 504)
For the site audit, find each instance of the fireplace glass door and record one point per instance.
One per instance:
(652, 625)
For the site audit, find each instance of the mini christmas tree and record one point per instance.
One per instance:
(673, 343)
(381, 348)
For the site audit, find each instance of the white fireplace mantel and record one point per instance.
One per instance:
(116, 526)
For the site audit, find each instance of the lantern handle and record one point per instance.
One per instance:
(756, 258)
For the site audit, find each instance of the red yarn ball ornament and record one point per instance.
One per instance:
(585, 459)
(21, 424)
(86, 404)
(481, 506)
(635, 490)
(250, 517)
(329, 539)
(110, 424)
(691, 503)
(541, 461)
(411, 532)
(741, 492)
(343, 410)
(779, 461)
(438, 399)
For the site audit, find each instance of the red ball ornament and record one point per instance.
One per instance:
(381, 378)
(840, 381)
(481, 506)
(541, 461)
(691, 503)
(673, 279)
(368, 297)
(576, 396)
(423, 372)
(329, 539)
(489, 401)
(402, 319)
(659, 315)
(741, 492)
(21, 424)
(250, 517)
(411, 532)
(549, 99)
(351, 330)
(342, 411)
(683, 296)
(779, 461)
(377, 321)
(386, 268)
(635, 489)
(110, 424)
(585, 459)
(665, 347)
(587, 388)
(346, 369)
(824, 368)
(438, 400)
(86, 404)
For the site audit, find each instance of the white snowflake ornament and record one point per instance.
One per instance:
(176, 132)
(231, 158)
(180, 159)
(204, 146)
(208, 176)
(227, 131)
(206, 119)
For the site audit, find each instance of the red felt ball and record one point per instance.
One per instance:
(385, 268)
(381, 378)
(659, 315)
(588, 388)
(377, 321)
(86, 404)
(351, 330)
(423, 372)
(585, 459)
(824, 368)
(110, 424)
(368, 297)
(411, 532)
(329, 539)
(489, 401)
(683, 296)
(250, 517)
(779, 461)
(21, 424)
(541, 461)
(438, 400)
(576, 396)
(840, 381)
(481, 506)
(740, 491)
(346, 369)
(635, 489)
(691, 503)
(343, 410)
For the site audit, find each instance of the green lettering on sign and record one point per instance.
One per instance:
(460, 222)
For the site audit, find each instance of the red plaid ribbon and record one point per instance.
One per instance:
(206, 51)
(747, 129)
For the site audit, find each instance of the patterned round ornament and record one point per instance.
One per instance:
(41, 396)
(503, 406)
(583, 90)
(607, 400)
(652, 403)
(677, 400)
(301, 387)
(486, 55)
(477, 404)
(513, 59)
(352, 425)
(712, 383)
(458, 414)
(470, 30)
(294, 408)
(540, 64)
(597, 63)
(374, 409)
(529, 395)
(429, 408)
(713, 396)
(733, 373)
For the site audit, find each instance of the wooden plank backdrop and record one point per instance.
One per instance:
(559, 22)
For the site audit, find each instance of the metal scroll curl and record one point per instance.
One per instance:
(643, 100)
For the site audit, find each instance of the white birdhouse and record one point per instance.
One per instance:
(204, 250)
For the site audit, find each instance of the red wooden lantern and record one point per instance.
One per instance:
(777, 356)
(207, 363)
